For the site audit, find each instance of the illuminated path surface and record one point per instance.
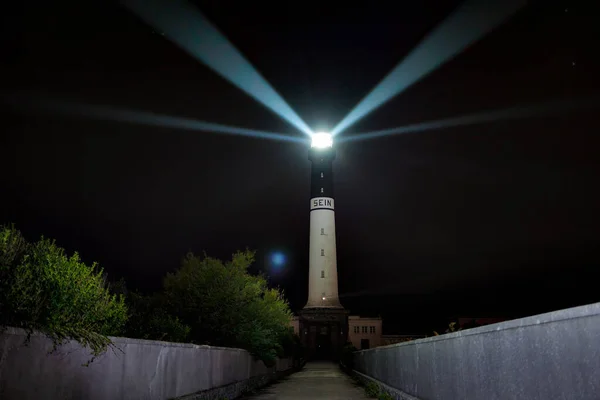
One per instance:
(317, 380)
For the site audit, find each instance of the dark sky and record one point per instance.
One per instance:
(497, 219)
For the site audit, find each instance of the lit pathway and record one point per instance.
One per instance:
(317, 380)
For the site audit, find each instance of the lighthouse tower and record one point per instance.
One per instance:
(322, 266)
(323, 321)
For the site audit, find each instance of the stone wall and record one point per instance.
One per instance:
(548, 356)
(135, 369)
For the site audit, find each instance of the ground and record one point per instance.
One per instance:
(317, 380)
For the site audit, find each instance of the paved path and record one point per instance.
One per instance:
(317, 380)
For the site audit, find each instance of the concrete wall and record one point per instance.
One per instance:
(548, 356)
(137, 369)
(387, 340)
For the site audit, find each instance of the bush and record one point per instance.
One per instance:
(385, 396)
(12, 250)
(372, 390)
(42, 289)
(149, 320)
(452, 327)
(226, 306)
(347, 357)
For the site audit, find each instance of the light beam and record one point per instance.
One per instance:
(183, 24)
(469, 23)
(52, 106)
(517, 112)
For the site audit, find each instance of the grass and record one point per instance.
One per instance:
(373, 391)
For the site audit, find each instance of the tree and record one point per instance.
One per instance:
(12, 250)
(42, 289)
(226, 306)
(148, 319)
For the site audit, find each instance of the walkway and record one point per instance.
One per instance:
(317, 380)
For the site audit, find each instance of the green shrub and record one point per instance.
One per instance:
(149, 320)
(347, 357)
(385, 396)
(292, 347)
(452, 327)
(226, 306)
(42, 289)
(372, 390)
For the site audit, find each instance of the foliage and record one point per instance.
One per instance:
(149, 320)
(372, 389)
(13, 248)
(292, 347)
(451, 328)
(206, 301)
(226, 306)
(42, 289)
(385, 396)
(347, 357)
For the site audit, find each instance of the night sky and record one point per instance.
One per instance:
(495, 219)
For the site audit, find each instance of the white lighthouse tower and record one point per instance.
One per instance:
(322, 275)
(323, 322)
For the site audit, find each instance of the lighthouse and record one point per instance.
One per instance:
(322, 265)
(323, 322)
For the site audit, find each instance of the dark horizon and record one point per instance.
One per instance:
(493, 219)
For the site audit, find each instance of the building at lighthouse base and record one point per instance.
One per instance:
(322, 331)
(317, 330)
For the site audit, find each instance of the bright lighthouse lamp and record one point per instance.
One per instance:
(322, 140)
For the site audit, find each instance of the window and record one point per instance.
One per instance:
(364, 329)
(321, 174)
(322, 231)
(321, 190)
(357, 329)
(372, 329)
(322, 252)
(322, 274)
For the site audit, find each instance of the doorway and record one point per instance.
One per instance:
(323, 346)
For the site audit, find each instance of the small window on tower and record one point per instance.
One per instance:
(322, 252)
(371, 329)
(322, 274)
(322, 231)
(321, 174)
(321, 190)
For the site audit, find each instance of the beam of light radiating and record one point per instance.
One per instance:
(528, 111)
(183, 24)
(469, 23)
(27, 102)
